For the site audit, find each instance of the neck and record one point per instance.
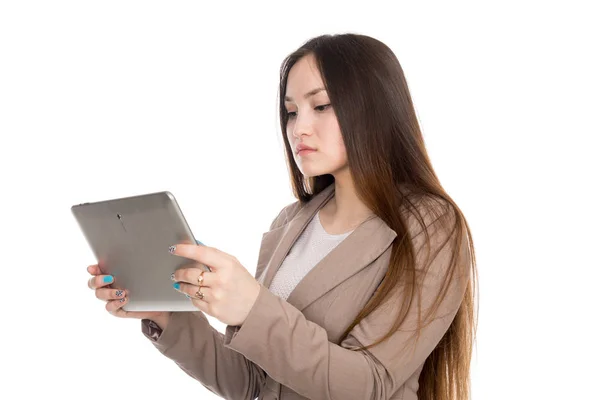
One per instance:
(345, 206)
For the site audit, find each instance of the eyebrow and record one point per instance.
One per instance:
(307, 95)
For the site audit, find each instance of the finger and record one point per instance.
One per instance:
(97, 269)
(191, 275)
(115, 307)
(192, 290)
(94, 270)
(202, 305)
(110, 294)
(99, 281)
(206, 255)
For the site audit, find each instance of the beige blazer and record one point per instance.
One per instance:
(293, 349)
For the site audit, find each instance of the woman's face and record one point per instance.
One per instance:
(312, 122)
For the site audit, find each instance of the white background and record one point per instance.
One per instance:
(100, 100)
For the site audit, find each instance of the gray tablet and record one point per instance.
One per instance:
(130, 238)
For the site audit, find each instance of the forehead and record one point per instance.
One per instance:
(303, 77)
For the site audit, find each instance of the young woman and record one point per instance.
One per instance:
(364, 287)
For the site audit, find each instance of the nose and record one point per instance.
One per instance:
(302, 126)
(297, 134)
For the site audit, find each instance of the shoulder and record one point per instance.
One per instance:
(438, 235)
(435, 225)
(427, 215)
(286, 214)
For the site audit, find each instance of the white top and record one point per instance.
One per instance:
(313, 244)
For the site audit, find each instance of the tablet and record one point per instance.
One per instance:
(130, 238)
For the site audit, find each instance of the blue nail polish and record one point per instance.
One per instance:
(199, 242)
(176, 285)
(108, 279)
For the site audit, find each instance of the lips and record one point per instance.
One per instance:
(301, 147)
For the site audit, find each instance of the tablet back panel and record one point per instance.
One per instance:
(130, 238)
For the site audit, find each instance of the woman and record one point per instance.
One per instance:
(364, 287)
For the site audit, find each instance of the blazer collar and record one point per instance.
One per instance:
(359, 249)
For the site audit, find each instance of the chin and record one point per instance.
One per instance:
(311, 172)
(311, 169)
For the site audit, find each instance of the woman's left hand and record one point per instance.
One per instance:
(229, 289)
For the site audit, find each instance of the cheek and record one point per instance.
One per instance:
(334, 134)
(335, 151)
(339, 146)
(342, 156)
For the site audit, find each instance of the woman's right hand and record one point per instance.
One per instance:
(116, 298)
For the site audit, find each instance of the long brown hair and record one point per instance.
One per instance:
(386, 154)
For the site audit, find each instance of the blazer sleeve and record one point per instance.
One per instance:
(296, 352)
(197, 348)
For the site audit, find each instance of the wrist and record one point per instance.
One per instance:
(162, 320)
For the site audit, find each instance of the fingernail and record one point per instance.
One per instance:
(172, 249)
(188, 296)
(119, 293)
(173, 276)
(176, 285)
(122, 300)
(108, 279)
(199, 242)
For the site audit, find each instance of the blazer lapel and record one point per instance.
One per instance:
(359, 249)
(284, 237)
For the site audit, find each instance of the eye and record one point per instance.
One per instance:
(321, 108)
